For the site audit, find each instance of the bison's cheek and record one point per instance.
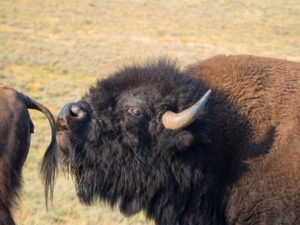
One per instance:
(63, 142)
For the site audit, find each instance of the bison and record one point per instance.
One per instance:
(148, 138)
(15, 130)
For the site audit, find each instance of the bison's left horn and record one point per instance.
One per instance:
(176, 121)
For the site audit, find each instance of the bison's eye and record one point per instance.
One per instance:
(135, 112)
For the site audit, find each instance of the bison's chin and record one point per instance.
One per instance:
(63, 142)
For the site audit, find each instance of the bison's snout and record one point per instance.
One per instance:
(70, 116)
(71, 112)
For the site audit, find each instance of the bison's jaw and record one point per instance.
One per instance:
(62, 135)
(63, 141)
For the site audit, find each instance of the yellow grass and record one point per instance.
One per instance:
(53, 50)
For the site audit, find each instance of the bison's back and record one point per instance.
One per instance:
(256, 113)
(260, 88)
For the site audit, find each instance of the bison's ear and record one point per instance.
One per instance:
(171, 141)
(184, 140)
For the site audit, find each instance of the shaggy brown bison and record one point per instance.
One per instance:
(15, 130)
(137, 140)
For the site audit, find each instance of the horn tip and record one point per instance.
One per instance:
(208, 93)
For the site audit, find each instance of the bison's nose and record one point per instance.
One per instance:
(70, 112)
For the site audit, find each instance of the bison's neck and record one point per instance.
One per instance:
(188, 209)
(197, 197)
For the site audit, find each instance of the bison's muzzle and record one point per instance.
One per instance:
(71, 113)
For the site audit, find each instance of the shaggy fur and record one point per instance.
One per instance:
(15, 130)
(238, 163)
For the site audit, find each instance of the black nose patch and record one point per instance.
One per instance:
(70, 112)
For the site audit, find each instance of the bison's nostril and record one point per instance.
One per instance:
(70, 111)
(76, 111)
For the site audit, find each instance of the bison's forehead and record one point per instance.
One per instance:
(137, 98)
(152, 83)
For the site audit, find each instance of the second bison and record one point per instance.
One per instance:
(15, 132)
(137, 139)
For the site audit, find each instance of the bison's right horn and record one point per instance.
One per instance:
(176, 121)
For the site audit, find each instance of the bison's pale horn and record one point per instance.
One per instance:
(176, 121)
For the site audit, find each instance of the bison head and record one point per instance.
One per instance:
(122, 143)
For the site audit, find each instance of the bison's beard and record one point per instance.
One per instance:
(85, 185)
(75, 161)
(70, 160)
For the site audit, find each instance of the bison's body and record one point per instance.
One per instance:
(256, 116)
(15, 130)
(238, 162)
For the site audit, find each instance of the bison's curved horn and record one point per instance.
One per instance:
(176, 121)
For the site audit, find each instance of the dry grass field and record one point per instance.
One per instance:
(52, 50)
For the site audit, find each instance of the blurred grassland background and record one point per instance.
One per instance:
(53, 50)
